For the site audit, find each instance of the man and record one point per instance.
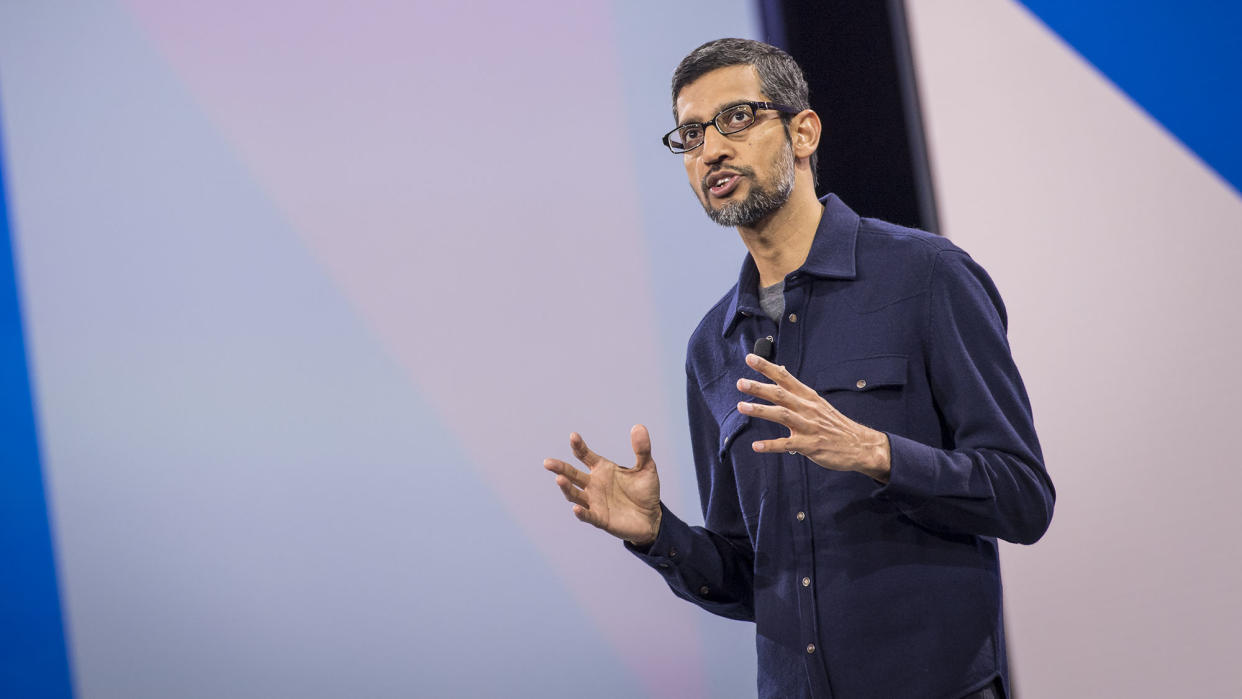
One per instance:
(854, 486)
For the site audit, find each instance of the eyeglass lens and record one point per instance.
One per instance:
(731, 120)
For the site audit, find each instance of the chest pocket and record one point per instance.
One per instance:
(869, 390)
(749, 478)
(732, 426)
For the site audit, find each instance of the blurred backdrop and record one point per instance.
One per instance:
(298, 297)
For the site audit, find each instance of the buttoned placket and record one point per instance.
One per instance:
(789, 353)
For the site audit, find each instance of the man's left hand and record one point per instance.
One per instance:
(817, 430)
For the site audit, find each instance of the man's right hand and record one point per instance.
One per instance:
(624, 502)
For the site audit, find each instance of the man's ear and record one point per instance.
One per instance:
(804, 131)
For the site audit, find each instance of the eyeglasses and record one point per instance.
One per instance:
(739, 117)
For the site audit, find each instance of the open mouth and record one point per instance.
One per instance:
(722, 184)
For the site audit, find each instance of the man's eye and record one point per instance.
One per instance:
(691, 134)
(740, 116)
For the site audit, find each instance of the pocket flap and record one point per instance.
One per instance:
(862, 374)
(732, 426)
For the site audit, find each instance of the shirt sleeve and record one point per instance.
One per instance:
(992, 480)
(711, 566)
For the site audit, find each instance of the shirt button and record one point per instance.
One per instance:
(806, 582)
(793, 317)
(810, 647)
(704, 590)
(663, 565)
(672, 552)
(801, 516)
(862, 383)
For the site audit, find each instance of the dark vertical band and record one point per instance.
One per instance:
(772, 21)
(860, 68)
(920, 161)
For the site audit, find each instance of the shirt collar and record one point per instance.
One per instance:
(831, 257)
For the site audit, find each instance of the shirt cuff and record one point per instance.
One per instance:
(911, 477)
(668, 549)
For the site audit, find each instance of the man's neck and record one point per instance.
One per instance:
(780, 243)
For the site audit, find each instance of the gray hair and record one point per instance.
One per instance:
(780, 77)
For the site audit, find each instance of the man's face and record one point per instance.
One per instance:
(743, 177)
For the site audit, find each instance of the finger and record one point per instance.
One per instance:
(582, 452)
(572, 494)
(575, 476)
(640, 440)
(779, 374)
(775, 446)
(769, 392)
(584, 514)
(774, 413)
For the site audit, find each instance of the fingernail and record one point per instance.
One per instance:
(752, 359)
(743, 407)
(743, 384)
(757, 446)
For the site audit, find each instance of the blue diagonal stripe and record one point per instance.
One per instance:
(33, 659)
(1178, 60)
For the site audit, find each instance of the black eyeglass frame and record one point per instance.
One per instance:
(754, 106)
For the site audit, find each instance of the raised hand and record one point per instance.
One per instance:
(624, 502)
(817, 430)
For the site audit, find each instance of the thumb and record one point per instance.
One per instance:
(640, 440)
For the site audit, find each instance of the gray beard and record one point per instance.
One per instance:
(762, 201)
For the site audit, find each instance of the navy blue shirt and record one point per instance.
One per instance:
(859, 589)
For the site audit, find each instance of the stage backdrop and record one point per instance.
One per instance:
(308, 291)
(1089, 157)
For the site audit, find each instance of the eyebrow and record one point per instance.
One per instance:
(719, 109)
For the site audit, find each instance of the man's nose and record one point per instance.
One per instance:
(716, 146)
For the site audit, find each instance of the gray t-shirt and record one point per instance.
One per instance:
(772, 301)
